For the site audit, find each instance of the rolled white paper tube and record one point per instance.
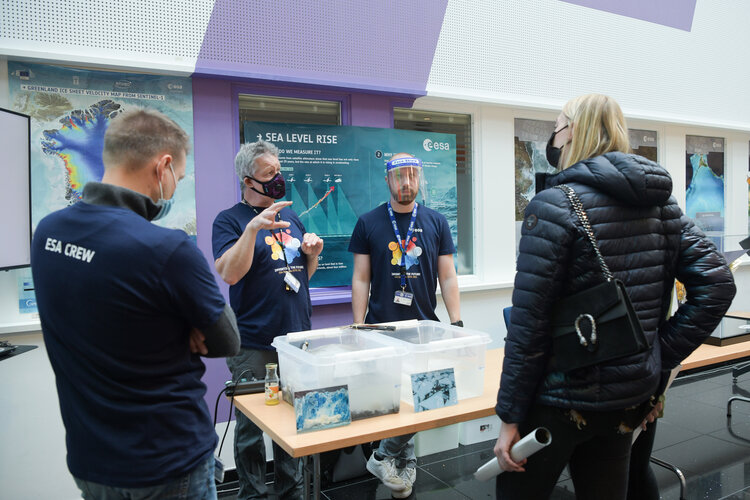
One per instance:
(530, 444)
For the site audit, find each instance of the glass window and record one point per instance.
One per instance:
(460, 125)
(260, 108)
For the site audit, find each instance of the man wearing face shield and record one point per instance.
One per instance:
(126, 308)
(262, 251)
(401, 250)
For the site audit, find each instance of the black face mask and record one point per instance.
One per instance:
(274, 188)
(553, 153)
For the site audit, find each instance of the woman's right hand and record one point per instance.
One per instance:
(508, 437)
(653, 414)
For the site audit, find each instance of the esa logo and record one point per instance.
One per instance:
(430, 145)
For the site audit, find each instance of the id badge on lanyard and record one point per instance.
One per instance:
(291, 281)
(402, 297)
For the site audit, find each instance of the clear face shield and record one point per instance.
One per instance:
(406, 180)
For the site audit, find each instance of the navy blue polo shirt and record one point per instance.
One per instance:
(374, 236)
(260, 300)
(117, 297)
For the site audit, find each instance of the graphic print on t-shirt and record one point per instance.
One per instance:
(412, 253)
(291, 246)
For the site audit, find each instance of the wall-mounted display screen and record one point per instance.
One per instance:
(15, 203)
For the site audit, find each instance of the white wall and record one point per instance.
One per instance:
(32, 437)
(543, 52)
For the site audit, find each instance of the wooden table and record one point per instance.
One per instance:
(707, 355)
(725, 341)
(279, 422)
(738, 315)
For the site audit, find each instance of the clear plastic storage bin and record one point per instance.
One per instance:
(433, 346)
(369, 366)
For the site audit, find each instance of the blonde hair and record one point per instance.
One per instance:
(598, 127)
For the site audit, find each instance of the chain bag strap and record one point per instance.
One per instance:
(584, 218)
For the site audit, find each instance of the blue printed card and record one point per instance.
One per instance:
(434, 389)
(318, 409)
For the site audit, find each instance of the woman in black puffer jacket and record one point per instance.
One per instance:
(647, 243)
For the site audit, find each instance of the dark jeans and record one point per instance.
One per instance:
(642, 483)
(249, 449)
(596, 448)
(198, 484)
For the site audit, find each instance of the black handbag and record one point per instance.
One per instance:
(598, 324)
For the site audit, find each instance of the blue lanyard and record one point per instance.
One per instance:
(403, 244)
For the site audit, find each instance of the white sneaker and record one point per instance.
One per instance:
(386, 471)
(408, 475)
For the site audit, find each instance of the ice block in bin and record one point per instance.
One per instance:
(432, 345)
(369, 367)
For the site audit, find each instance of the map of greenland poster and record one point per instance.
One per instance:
(71, 109)
(704, 176)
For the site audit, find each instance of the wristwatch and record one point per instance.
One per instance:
(458, 323)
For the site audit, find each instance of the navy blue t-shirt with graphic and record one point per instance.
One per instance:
(117, 298)
(260, 300)
(373, 235)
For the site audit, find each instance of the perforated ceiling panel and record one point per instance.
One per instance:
(543, 52)
(152, 34)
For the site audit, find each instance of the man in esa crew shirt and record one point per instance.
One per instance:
(126, 306)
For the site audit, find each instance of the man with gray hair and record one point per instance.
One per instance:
(263, 252)
(126, 307)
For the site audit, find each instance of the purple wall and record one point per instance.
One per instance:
(674, 13)
(216, 130)
(354, 44)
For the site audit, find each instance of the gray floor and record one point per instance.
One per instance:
(712, 451)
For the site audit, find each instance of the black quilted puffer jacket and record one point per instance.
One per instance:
(647, 242)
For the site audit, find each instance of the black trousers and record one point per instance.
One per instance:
(595, 445)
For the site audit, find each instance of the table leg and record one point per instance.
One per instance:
(307, 469)
(306, 477)
(316, 476)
